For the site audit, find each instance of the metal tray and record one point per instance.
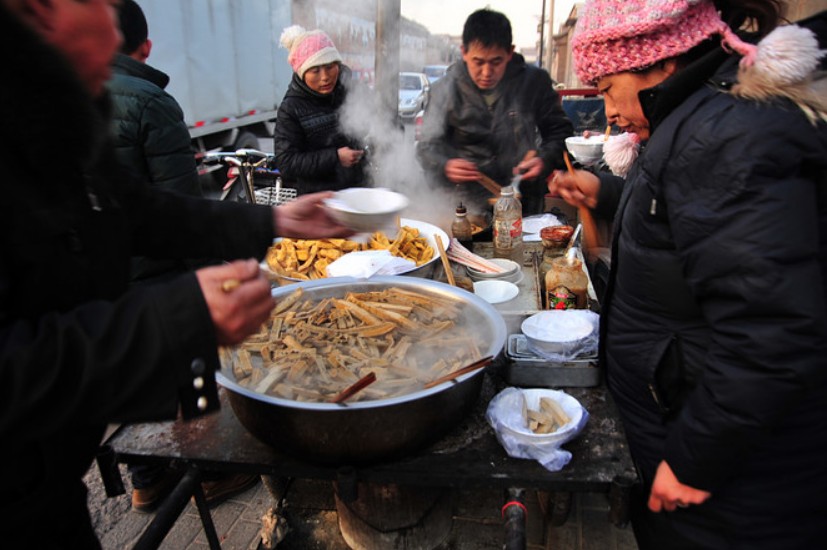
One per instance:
(525, 369)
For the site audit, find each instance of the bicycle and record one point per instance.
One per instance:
(252, 177)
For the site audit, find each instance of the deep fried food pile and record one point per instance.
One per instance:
(308, 259)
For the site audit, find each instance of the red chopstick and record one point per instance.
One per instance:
(357, 386)
(450, 376)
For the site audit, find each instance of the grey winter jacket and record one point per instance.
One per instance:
(459, 124)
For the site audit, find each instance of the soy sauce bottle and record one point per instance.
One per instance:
(461, 228)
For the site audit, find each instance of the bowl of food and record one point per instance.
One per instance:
(281, 383)
(561, 331)
(539, 414)
(586, 150)
(509, 271)
(292, 260)
(366, 208)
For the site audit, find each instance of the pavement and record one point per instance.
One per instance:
(313, 522)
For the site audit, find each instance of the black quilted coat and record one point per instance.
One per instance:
(714, 330)
(308, 135)
(77, 349)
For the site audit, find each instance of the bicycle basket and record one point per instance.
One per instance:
(270, 192)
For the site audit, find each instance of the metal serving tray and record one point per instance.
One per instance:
(525, 369)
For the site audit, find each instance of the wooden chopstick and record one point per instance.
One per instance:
(457, 373)
(446, 265)
(589, 227)
(489, 184)
(357, 386)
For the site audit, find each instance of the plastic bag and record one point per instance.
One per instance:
(505, 415)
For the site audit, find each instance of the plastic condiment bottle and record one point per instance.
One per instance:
(566, 283)
(508, 226)
(461, 228)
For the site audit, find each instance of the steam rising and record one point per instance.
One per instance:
(392, 159)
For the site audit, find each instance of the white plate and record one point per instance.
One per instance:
(426, 230)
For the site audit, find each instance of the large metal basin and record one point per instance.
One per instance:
(367, 431)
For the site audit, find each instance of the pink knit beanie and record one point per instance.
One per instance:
(613, 36)
(308, 49)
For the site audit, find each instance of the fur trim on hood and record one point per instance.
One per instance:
(785, 64)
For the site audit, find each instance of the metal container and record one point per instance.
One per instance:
(525, 369)
(367, 431)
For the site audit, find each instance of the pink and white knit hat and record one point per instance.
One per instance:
(613, 36)
(308, 48)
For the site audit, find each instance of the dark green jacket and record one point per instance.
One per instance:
(153, 142)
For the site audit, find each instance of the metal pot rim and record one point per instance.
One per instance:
(496, 345)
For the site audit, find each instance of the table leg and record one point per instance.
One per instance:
(514, 513)
(170, 510)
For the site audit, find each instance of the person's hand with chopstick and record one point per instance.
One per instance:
(530, 166)
(461, 171)
(578, 188)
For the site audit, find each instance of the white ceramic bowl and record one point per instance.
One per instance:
(556, 331)
(495, 292)
(512, 272)
(515, 425)
(586, 150)
(366, 208)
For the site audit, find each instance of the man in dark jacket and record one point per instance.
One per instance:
(78, 349)
(487, 113)
(151, 138)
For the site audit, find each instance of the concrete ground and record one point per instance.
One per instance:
(312, 521)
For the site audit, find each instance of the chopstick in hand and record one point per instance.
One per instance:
(357, 386)
(489, 184)
(589, 227)
(457, 373)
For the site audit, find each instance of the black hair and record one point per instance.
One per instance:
(489, 28)
(133, 26)
(759, 16)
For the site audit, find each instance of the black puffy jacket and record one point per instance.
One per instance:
(151, 141)
(528, 115)
(714, 324)
(308, 136)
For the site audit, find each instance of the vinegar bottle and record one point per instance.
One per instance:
(508, 226)
(461, 228)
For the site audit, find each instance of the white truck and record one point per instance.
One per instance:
(225, 65)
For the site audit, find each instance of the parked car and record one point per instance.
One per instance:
(414, 92)
(434, 72)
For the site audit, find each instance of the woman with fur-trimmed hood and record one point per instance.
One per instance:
(714, 322)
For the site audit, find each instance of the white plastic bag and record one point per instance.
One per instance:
(505, 415)
(540, 327)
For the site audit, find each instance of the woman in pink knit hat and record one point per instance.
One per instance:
(714, 321)
(311, 150)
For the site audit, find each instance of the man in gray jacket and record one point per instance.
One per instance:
(487, 113)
